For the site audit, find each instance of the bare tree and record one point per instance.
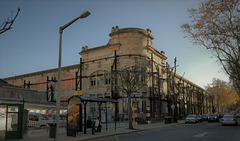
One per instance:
(173, 89)
(7, 25)
(215, 25)
(131, 79)
(200, 100)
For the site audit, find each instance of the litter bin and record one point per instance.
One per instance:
(168, 119)
(52, 133)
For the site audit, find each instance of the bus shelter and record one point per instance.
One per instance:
(14, 115)
(74, 112)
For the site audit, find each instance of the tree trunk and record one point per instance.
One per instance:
(129, 111)
(175, 109)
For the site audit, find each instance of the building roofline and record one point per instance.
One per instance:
(156, 52)
(41, 72)
(99, 47)
(189, 82)
(116, 31)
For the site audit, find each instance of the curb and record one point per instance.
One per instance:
(132, 131)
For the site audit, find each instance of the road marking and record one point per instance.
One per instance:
(201, 135)
(140, 133)
(117, 138)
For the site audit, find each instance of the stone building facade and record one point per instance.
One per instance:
(127, 47)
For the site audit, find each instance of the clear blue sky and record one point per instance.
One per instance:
(32, 45)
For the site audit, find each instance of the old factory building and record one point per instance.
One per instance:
(97, 75)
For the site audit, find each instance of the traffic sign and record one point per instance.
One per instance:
(78, 92)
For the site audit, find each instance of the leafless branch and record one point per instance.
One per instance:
(7, 25)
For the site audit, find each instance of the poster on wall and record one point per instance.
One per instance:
(73, 117)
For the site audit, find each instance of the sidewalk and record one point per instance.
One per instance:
(122, 128)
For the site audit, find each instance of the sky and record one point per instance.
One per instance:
(33, 42)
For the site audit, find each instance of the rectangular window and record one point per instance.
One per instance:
(93, 81)
(99, 82)
(107, 81)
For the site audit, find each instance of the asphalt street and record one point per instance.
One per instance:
(185, 132)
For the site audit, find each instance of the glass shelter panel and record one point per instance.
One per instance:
(12, 124)
(3, 120)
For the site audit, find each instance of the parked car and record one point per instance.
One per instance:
(213, 118)
(229, 120)
(237, 116)
(200, 118)
(39, 120)
(62, 119)
(221, 115)
(205, 117)
(191, 119)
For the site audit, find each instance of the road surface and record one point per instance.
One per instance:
(185, 132)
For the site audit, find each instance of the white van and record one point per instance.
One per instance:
(39, 120)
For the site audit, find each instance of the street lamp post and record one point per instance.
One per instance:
(82, 15)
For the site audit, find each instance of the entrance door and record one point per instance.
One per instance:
(13, 121)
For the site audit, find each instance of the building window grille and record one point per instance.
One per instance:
(107, 81)
(93, 82)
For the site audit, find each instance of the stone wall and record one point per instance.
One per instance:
(20, 93)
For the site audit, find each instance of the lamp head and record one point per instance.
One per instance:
(85, 14)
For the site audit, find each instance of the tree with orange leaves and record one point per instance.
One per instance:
(216, 26)
(225, 94)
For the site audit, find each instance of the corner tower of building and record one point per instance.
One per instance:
(132, 40)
